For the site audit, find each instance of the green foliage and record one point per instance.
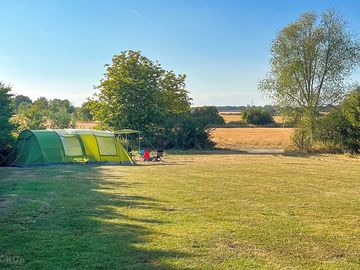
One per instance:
(311, 60)
(188, 130)
(351, 108)
(30, 117)
(56, 104)
(342, 124)
(84, 112)
(60, 114)
(60, 118)
(6, 127)
(257, 116)
(41, 104)
(44, 113)
(18, 99)
(208, 116)
(301, 140)
(137, 93)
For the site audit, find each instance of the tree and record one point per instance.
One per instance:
(18, 99)
(6, 127)
(41, 104)
(138, 93)
(54, 104)
(208, 116)
(187, 130)
(44, 113)
(60, 114)
(84, 112)
(342, 125)
(32, 115)
(29, 116)
(311, 59)
(257, 116)
(351, 107)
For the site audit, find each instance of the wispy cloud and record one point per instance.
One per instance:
(140, 15)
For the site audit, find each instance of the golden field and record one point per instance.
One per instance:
(236, 138)
(236, 117)
(87, 125)
(230, 117)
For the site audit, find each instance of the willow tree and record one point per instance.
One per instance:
(311, 60)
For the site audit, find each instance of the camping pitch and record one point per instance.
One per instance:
(46, 147)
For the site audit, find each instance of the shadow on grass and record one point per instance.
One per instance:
(226, 151)
(73, 217)
(245, 151)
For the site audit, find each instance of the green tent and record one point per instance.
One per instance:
(45, 147)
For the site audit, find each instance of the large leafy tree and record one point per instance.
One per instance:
(310, 62)
(6, 127)
(138, 93)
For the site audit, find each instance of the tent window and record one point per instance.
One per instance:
(106, 146)
(72, 146)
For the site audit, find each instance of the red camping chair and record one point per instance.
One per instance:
(147, 155)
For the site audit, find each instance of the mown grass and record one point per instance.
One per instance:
(211, 211)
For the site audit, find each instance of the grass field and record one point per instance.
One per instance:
(220, 210)
(231, 117)
(236, 117)
(238, 138)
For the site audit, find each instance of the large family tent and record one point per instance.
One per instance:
(44, 147)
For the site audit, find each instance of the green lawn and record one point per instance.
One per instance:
(209, 211)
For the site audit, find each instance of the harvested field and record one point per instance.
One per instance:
(237, 138)
(236, 117)
(231, 117)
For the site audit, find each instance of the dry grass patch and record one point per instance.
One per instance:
(236, 138)
(230, 117)
(236, 117)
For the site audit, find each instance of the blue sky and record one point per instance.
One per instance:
(58, 49)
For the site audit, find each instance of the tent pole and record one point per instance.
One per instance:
(139, 143)
(127, 143)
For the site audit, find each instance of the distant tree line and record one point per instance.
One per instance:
(43, 113)
(272, 109)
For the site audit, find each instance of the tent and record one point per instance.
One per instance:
(45, 147)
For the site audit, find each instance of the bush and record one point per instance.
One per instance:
(187, 130)
(257, 116)
(6, 128)
(208, 116)
(342, 125)
(301, 140)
